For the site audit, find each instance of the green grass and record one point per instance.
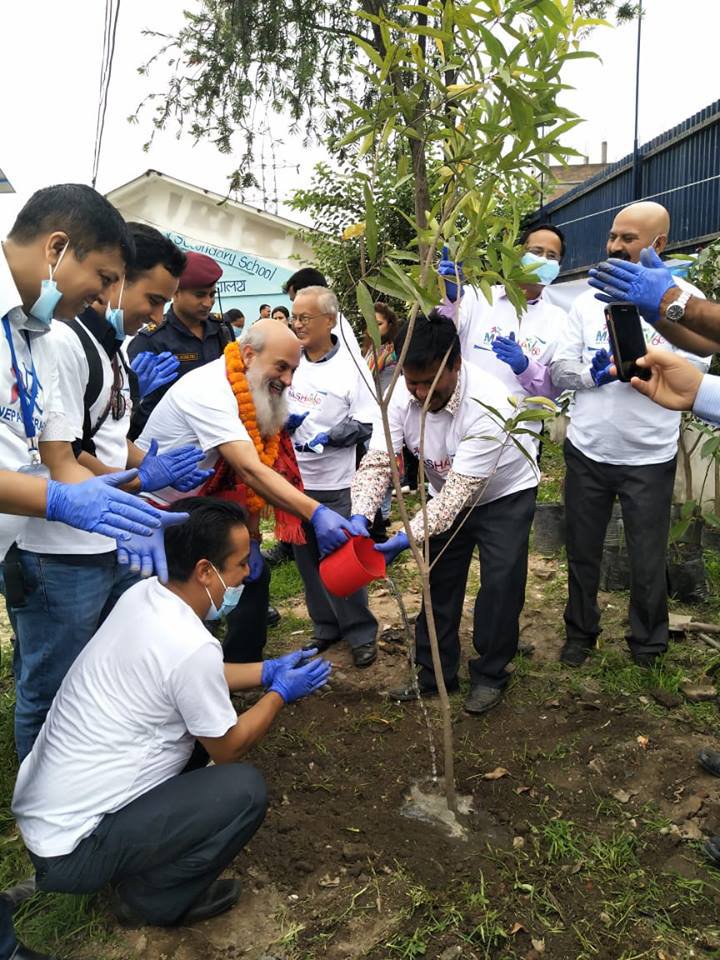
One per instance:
(286, 583)
(552, 466)
(52, 923)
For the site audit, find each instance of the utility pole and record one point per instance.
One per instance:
(637, 164)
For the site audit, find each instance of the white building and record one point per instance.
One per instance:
(257, 250)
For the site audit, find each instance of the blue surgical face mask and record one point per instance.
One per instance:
(44, 307)
(545, 270)
(230, 599)
(115, 316)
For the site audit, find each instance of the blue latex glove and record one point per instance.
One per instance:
(296, 680)
(602, 368)
(509, 351)
(643, 284)
(146, 555)
(255, 562)
(359, 520)
(271, 667)
(316, 445)
(294, 421)
(171, 469)
(154, 370)
(96, 506)
(447, 268)
(332, 530)
(394, 546)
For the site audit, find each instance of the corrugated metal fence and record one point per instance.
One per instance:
(680, 169)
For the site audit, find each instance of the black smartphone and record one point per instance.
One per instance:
(627, 341)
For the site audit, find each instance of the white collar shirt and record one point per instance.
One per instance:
(536, 330)
(614, 423)
(464, 436)
(37, 364)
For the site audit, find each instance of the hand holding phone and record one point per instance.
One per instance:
(627, 340)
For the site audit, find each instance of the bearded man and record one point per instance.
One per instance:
(235, 408)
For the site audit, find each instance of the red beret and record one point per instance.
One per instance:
(200, 271)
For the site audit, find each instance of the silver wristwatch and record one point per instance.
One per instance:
(676, 310)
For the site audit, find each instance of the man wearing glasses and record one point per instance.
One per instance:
(515, 348)
(72, 579)
(331, 399)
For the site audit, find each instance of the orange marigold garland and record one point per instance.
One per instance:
(268, 449)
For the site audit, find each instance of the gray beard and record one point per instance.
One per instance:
(271, 410)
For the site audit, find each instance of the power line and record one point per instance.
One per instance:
(112, 11)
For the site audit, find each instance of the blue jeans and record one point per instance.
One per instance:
(66, 601)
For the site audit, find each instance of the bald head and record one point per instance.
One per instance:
(272, 352)
(644, 224)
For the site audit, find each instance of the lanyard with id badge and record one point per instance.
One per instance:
(27, 399)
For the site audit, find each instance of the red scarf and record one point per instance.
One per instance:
(226, 485)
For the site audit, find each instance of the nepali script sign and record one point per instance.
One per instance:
(247, 280)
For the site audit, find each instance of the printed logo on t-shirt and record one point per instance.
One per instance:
(488, 338)
(11, 413)
(438, 466)
(307, 398)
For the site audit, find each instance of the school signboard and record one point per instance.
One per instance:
(247, 280)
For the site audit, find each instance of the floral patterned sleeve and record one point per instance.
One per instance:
(370, 483)
(457, 492)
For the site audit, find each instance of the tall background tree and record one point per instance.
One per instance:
(455, 101)
(235, 62)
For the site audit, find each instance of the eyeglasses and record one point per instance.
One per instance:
(539, 252)
(305, 318)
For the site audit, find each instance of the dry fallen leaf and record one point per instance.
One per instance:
(538, 945)
(643, 741)
(520, 790)
(516, 928)
(496, 774)
(622, 796)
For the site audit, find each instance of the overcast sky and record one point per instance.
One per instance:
(49, 72)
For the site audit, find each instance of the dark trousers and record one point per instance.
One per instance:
(334, 618)
(246, 632)
(645, 495)
(163, 850)
(500, 530)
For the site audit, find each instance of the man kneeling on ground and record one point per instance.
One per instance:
(105, 797)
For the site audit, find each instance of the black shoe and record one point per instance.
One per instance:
(19, 893)
(364, 655)
(712, 851)
(25, 953)
(646, 660)
(280, 553)
(410, 692)
(709, 760)
(482, 699)
(273, 616)
(574, 654)
(321, 645)
(219, 897)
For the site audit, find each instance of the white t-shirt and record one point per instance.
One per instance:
(125, 718)
(199, 409)
(33, 351)
(329, 391)
(44, 536)
(463, 435)
(614, 423)
(479, 322)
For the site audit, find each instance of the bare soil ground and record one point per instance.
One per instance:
(584, 840)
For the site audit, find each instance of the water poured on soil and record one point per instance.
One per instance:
(426, 801)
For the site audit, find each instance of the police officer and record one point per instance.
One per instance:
(188, 330)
